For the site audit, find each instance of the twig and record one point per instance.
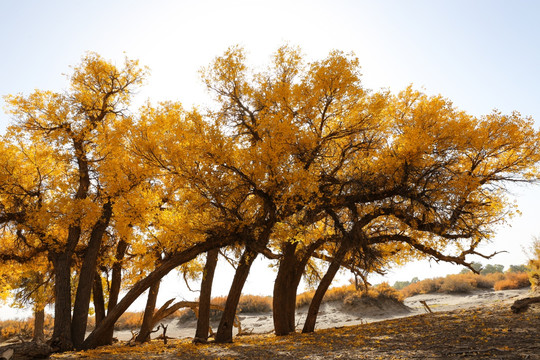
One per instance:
(423, 302)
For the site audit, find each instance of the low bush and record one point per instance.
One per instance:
(466, 282)
(348, 294)
(513, 281)
(426, 286)
(129, 321)
(457, 284)
(254, 304)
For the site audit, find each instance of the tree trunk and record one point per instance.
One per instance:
(61, 339)
(99, 301)
(311, 319)
(86, 277)
(285, 292)
(148, 317)
(98, 336)
(522, 305)
(39, 325)
(27, 350)
(114, 291)
(203, 319)
(291, 269)
(224, 332)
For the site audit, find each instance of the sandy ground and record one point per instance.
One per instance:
(335, 314)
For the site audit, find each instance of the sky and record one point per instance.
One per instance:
(481, 54)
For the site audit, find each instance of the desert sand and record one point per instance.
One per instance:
(335, 314)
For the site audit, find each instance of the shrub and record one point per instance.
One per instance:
(461, 283)
(426, 286)
(129, 321)
(385, 291)
(304, 299)
(513, 281)
(11, 328)
(254, 304)
(24, 328)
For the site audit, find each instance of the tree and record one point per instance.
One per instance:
(491, 269)
(72, 186)
(443, 190)
(297, 162)
(517, 269)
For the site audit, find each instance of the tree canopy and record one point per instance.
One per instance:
(297, 161)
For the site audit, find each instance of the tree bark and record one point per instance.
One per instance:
(86, 277)
(311, 319)
(99, 300)
(39, 325)
(224, 332)
(203, 319)
(285, 292)
(27, 351)
(148, 323)
(97, 336)
(61, 339)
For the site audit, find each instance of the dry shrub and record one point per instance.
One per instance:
(488, 281)
(339, 293)
(129, 321)
(304, 299)
(374, 295)
(426, 286)
(457, 284)
(464, 283)
(348, 294)
(247, 304)
(11, 328)
(255, 304)
(385, 291)
(24, 327)
(513, 281)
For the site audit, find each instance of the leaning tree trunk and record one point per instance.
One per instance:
(39, 325)
(98, 335)
(203, 319)
(147, 323)
(311, 319)
(86, 277)
(99, 300)
(224, 332)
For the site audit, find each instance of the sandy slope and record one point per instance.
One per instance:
(335, 314)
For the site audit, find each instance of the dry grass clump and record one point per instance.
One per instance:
(464, 283)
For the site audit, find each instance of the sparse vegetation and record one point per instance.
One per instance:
(467, 282)
(22, 327)
(348, 294)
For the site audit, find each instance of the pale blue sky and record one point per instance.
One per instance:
(481, 54)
